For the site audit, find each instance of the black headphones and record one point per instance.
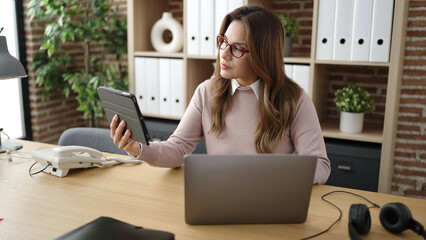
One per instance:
(394, 217)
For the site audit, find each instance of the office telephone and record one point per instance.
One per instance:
(60, 160)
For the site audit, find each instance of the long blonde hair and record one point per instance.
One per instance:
(278, 94)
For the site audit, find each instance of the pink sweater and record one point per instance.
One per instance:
(304, 137)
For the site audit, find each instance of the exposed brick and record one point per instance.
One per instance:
(404, 154)
(408, 127)
(416, 110)
(416, 164)
(417, 3)
(411, 146)
(410, 172)
(404, 181)
(415, 193)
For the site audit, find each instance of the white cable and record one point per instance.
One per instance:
(111, 161)
(121, 160)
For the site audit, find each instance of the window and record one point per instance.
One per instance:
(11, 100)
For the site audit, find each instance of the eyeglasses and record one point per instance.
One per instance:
(236, 50)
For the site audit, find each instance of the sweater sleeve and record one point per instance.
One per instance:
(183, 141)
(307, 137)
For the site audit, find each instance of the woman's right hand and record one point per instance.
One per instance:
(123, 141)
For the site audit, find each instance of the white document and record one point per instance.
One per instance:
(193, 27)
(164, 77)
(381, 30)
(288, 69)
(220, 11)
(361, 37)
(177, 92)
(301, 76)
(207, 37)
(325, 29)
(343, 30)
(141, 83)
(152, 71)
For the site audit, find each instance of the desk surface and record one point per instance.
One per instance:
(45, 206)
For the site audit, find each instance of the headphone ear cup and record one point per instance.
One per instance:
(395, 217)
(359, 218)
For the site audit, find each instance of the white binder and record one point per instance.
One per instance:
(177, 92)
(193, 27)
(164, 78)
(207, 37)
(361, 37)
(220, 11)
(343, 30)
(325, 29)
(301, 76)
(288, 69)
(153, 105)
(381, 30)
(141, 83)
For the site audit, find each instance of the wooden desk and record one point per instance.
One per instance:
(45, 206)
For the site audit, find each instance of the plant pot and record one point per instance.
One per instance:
(288, 45)
(351, 122)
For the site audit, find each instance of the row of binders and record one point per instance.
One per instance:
(354, 30)
(299, 74)
(204, 19)
(159, 86)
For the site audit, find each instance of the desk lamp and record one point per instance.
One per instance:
(10, 67)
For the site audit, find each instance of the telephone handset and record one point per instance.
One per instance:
(67, 152)
(60, 160)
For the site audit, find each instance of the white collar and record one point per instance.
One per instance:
(254, 86)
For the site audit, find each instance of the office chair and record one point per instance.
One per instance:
(97, 138)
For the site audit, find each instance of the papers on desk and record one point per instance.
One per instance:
(159, 85)
(354, 30)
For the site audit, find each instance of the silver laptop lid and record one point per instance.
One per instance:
(247, 189)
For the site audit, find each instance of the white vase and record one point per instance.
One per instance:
(167, 22)
(351, 122)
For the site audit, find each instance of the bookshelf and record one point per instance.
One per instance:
(142, 14)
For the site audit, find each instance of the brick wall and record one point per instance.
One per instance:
(51, 118)
(410, 153)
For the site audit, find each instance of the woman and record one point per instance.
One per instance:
(250, 106)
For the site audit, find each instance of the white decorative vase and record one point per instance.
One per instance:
(167, 22)
(351, 122)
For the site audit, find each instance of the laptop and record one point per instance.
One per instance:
(247, 189)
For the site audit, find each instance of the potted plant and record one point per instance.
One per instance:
(98, 35)
(352, 102)
(291, 31)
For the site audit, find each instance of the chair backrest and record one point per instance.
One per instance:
(97, 138)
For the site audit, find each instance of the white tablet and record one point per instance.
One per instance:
(125, 105)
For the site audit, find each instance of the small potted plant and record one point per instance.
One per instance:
(291, 31)
(352, 102)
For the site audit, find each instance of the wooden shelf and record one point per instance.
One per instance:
(371, 132)
(305, 60)
(332, 62)
(158, 54)
(202, 57)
